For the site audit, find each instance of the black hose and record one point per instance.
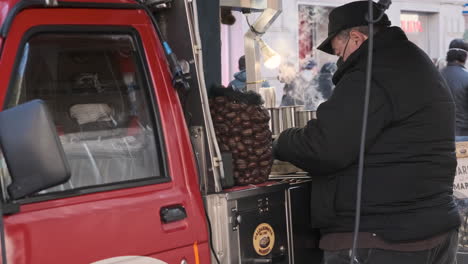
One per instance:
(177, 73)
(382, 5)
(211, 239)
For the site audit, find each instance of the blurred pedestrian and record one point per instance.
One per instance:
(456, 76)
(325, 83)
(287, 74)
(240, 77)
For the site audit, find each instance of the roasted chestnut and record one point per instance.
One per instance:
(247, 132)
(264, 172)
(252, 165)
(257, 143)
(258, 128)
(218, 119)
(241, 146)
(224, 139)
(246, 124)
(250, 150)
(250, 109)
(247, 141)
(243, 154)
(253, 158)
(236, 130)
(232, 143)
(241, 164)
(261, 136)
(222, 128)
(231, 115)
(258, 151)
(267, 155)
(235, 106)
(240, 180)
(255, 172)
(220, 100)
(224, 147)
(245, 116)
(236, 121)
(256, 116)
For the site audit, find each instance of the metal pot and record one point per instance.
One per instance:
(275, 120)
(303, 116)
(287, 117)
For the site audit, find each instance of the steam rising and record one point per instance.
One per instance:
(303, 84)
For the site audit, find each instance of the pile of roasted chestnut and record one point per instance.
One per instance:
(243, 130)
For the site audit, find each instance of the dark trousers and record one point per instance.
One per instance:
(445, 253)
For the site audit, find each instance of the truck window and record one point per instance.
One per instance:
(93, 86)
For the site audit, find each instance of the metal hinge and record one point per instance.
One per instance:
(51, 2)
(236, 219)
(216, 162)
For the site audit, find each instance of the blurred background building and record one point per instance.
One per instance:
(431, 24)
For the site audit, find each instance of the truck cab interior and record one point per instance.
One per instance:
(91, 86)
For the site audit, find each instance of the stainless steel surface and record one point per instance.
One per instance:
(197, 136)
(225, 239)
(289, 226)
(269, 96)
(287, 117)
(270, 11)
(216, 163)
(234, 216)
(248, 192)
(290, 177)
(303, 240)
(51, 2)
(303, 116)
(275, 120)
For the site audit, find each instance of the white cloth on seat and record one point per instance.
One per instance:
(87, 113)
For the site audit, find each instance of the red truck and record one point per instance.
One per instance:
(136, 192)
(130, 189)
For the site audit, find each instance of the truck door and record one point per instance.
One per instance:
(133, 192)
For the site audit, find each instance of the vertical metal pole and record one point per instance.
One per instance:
(252, 56)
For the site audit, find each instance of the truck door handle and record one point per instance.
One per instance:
(172, 213)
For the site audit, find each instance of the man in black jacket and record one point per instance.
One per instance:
(407, 212)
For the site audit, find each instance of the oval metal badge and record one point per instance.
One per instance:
(263, 239)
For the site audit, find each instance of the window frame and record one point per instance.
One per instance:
(155, 115)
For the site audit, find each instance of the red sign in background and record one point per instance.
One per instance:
(411, 26)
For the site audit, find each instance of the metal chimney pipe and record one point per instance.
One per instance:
(270, 9)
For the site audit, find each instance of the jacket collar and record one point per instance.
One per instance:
(455, 64)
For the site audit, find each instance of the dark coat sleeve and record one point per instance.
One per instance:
(331, 142)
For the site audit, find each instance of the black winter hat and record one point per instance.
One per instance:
(347, 16)
(458, 44)
(241, 63)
